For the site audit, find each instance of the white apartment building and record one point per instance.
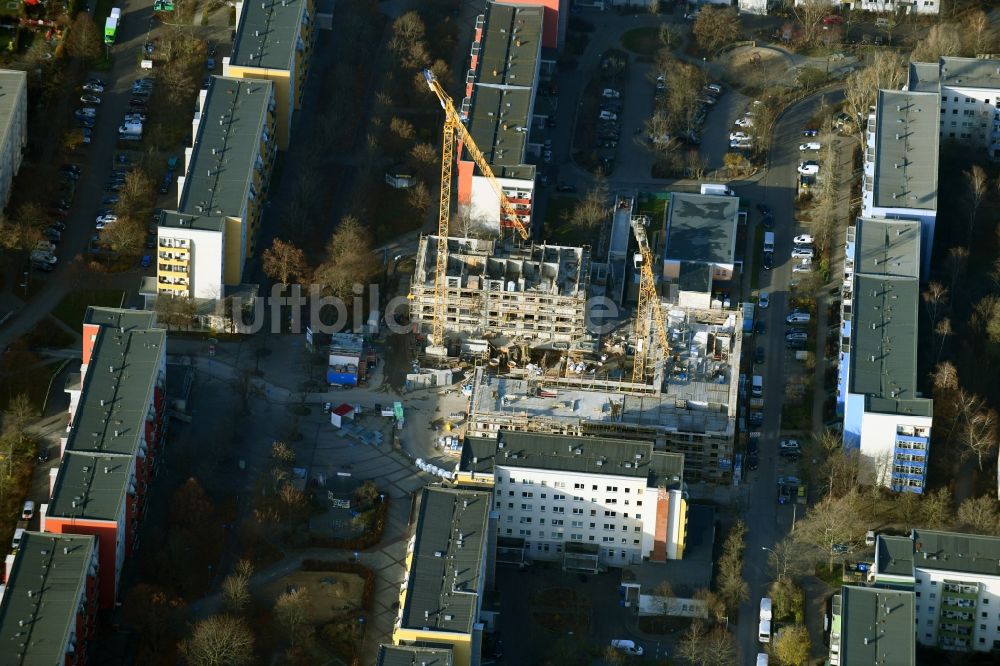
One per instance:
(928, 7)
(190, 255)
(969, 89)
(13, 127)
(901, 162)
(755, 6)
(955, 579)
(589, 501)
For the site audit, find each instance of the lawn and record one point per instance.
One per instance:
(72, 307)
(642, 41)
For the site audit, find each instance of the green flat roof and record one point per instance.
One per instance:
(116, 392)
(119, 317)
(268, 34)
(222, 164)
(511, 45)
(91, 486)
(590, 455)
(444, 579)
(877, 627)
(171, 219)
(953, 551)
(499, 122)
(924, 77)
(970, 72)
(887, 247)
(894, 555)
(52, 569)
(413, 655)
(701, 228)
(13, 90)
(906, 149)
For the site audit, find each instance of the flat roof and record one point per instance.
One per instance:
(268, 34)
(511, 45)
(906, 149)
(43, 593)
(114, 402)
(924, 77)
(876, 626)
(222, 165)
(413, 655)
(13, 90)
(444, 578)
(970, 72)
(894, 555)
(563, 453)
(119, 317)
(887, 247)
(954, 551)
(499, 117)
(91, 486)
(695, 276)
(171, 219)
(701, 228)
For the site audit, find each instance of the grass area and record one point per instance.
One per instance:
(21, 371)
(642, 41)
(798, 415)
(832, 577)
(757, 249)
(72, 307)
(559, 227)
(655, 208)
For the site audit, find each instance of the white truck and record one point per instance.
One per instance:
(765, 608)
(764, 631)
(717, 188)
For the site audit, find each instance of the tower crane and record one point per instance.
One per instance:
(453, 125)
(649, 303)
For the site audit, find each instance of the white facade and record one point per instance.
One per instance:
(484, 204)
(977, 597)
(13, 127)
(884, 437)
(971, 114)
(754, 6)
(205, 253)
(548, 508)
(893, 6)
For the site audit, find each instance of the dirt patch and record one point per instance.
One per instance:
(754, 69)
(329, 595)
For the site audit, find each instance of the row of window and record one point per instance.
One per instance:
(558, 534)
(562, 484)
(968, 100)
(560, 498)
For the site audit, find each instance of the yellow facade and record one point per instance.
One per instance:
(461, 644)
(682, 529)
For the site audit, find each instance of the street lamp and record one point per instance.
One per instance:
(777, 562)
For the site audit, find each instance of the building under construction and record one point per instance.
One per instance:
(690, 407)
(534, 294)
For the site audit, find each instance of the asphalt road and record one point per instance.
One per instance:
(769, 522)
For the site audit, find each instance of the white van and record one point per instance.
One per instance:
(764, 631)
(18, 534)
(757, 387)
(768, 241)
(627, 646)
(761, 659)
(765, 608)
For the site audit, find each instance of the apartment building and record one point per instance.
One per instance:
(923, 7)
(498, 109)
(586, 501)
(535, 294)
(448, 561)
(885, 417)
(901, 162)
(13, 127)
(699, 250)
(872, 626)
(274, 41)
(202, 246)
(689, 408)
(969, 90)
(955, 579)
(48, 607)
(113, 440)
(759, 7)
(413, 655)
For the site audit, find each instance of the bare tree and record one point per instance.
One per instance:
(810, 15)
(136, 196)
(943, 331)
(716, 27)
(283, 262)
(419, 199)
(792, 645)
(349, 259)
(979, 515)
(220, 640)
(832, 522)
(943, 39)
(957, 257)
(978, 184)
(707, 647)
(236, 587)
(125, 235)
(886, 70)
(945, 376)
(732, 585)
(469, 224)
(593, 210)
(978, 32)
(83, 39)
(981, 434)
(291, 610)
(935, 296)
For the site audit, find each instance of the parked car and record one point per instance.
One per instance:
(106, 219)
(95, 82)
(810, 132)
(758, 356)
(611, 93)
(789, 481)
(803, 239)
(811, 145)
(752, 462)
(768, 260)
(145, 261)
(744, 122)
(85, 123)
(28, 511)
(803, 267)
(797, 316)
(833, 19)
(93, 87)
(714, 88)
(802, 252)
(627, 646)
(52, 234)
(607, 115)
(763, 300)
(110, 200)
(43, 453)
(738, 136)
(93, 100)
(789, 444)
(792, 336)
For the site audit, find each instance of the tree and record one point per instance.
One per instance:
(810, 15)
(789, 599)
(126, 236)
(716, 27)
(408, 41)
(366, 493)
(731, 584)
(943, 39)
(155, 617)
(245, 388)
(935, 296)
(979, 515)
(955, 262)
(190, 506)
(220, 640)
(593, 210)
(349, 259)
(736, 164)
(83, 39)
(136, 196)
(283, 454)
(977, 183)
(887, 70)
(935, 509)
(978, 32)
(19, 413)
(283, 262)
(175, 311)
(981, 434)
(831, 522)
(291, 610)
(419, 199)
(986, 317)
(786, 559)
(613, 656)
(714, 606)
(714, 647)
(177, 83)
(236, 587)
(791, 646)
(468, 224)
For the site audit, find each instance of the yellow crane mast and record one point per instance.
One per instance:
(649, 303)
(452, 125)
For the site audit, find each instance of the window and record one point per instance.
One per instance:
(984, 614)
(524, 532)
(525, 520)
(638, 503)
(544, 495)
(609, 526)
(969, 100)
(954, 99)
(510, 505)
(498, 504)
(933, 595)
(612, 489)
(983, 627)
(556, 521)
(576, 523)
(558, 497)
(576, 537)
(611, 500)
(525, 507)
(541, 521)
(624, 515)
(510, 519)
(933, 583)
(593, 487)
(541, 508)
(593, 512)
(611, 514)
(590, 538)
(578, 486)
(954, 112)
(628, 490)
(510, 493)
(527, 494)
(637, 529)
(558, 509)
(607, 539)
(635, 541)
(577, 512)
(626, 501)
